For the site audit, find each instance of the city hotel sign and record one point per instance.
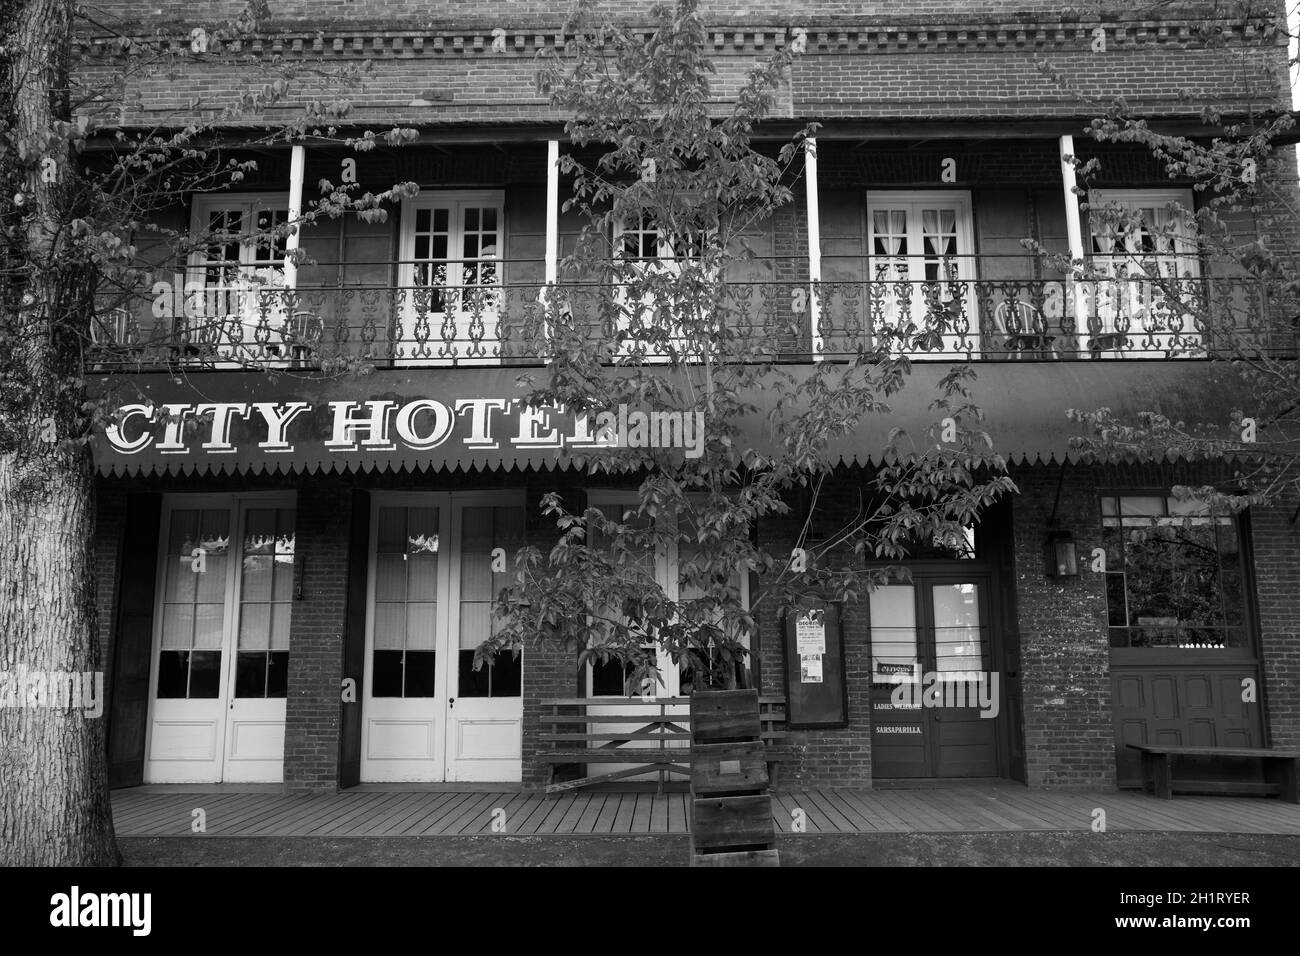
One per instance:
(384, 425)
(252, 423)
(476, 418)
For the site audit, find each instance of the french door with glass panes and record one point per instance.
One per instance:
(221, 639)
(450, 277)
(922, 270)
(1143, 240)
(659, 259)
(933, 634)
(233, 304)
(436, 565)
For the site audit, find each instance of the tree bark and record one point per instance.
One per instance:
(54, 803)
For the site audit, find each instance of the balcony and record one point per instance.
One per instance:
(778, 312)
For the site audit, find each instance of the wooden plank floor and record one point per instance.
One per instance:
(169, 811)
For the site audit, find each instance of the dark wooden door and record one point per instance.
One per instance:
(935, 636)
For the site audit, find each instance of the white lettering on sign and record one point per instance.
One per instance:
(116, 433)
(384, 425)
(277, 417)
(222, 412)
(480, 419)
(375, 426)
(530, 421)
(173, 442)
(442, 422)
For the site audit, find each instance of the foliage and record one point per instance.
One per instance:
(1219, 280)
(664, 147)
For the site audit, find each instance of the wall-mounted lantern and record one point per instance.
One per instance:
(1062, 555)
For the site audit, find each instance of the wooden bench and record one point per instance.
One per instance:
(1280, 769)
(664, 721)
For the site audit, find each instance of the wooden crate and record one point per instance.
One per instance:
(732, 823)
(731, 808)
(718, 716)
(729, 768)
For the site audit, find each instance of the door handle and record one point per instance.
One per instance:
(451, 701)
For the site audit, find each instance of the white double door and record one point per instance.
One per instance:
(220, 660)
(437, 563)
(922, 266)
(450, 279)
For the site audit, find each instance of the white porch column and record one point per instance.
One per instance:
(1076, 295)
(1073, 224)
(552, 211)
(814, 245)
(297, 167)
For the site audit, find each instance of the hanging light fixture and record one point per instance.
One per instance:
(1061, 554)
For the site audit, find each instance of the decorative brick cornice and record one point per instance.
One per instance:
(898, 36)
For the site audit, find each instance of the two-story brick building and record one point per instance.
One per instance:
(316, 530)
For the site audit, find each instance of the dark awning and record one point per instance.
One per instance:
(471, 418)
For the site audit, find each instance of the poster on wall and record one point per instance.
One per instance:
(810, 668)
(816, 691)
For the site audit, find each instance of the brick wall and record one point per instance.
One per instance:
(1275, 541)
(1064, 644)
(416, 13)
(549, 672)
(838, 757)
(973, 62)
(312, 715)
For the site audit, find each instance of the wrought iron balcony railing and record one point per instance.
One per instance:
(494, 323)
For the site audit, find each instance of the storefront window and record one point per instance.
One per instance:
(194, 603)
(1173, 574)
(485, 529)
(406, 602)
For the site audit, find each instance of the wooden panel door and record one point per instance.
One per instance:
(1195, 704)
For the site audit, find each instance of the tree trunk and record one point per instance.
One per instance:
(54, 807)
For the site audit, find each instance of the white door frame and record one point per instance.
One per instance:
(219, 762)
(454, 200)
(965, 257)
(484, 735)
(447, 755)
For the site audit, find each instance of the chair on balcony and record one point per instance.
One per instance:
(302, 334)
(1026, 331)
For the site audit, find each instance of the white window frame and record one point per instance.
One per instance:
(1131, 297)
(435, 350)
(665, 260)
(914, 199)
(247, 312)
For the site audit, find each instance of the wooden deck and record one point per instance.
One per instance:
(159, 811)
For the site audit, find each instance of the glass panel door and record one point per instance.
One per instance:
(485, 711)
(935, 698)
(451, 280)
(232, 300)
(403, 700)
(922, 271)
(260, 680)
(1146, 249)
(221, 640)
